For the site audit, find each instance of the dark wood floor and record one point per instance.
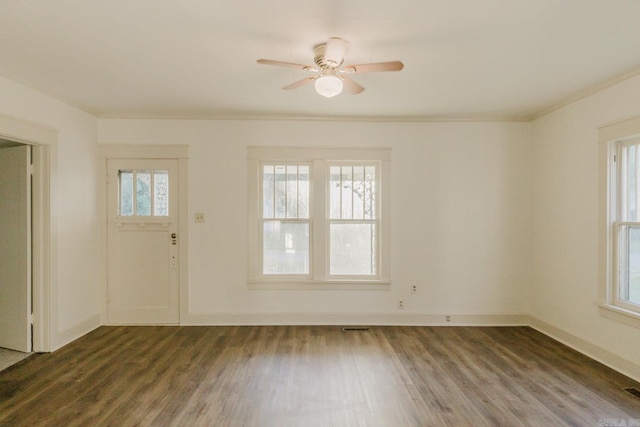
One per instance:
(314, 376)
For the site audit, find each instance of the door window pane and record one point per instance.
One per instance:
(161, 193)
(143, 193)
(126, 192)
(285, 247)
(353, 249)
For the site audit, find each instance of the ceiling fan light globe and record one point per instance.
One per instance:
(328, 86)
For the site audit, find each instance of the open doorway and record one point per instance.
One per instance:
(16, 286)
(29, 176)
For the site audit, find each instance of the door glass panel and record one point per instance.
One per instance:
(161, 193)
(126, 192)
(143, 193)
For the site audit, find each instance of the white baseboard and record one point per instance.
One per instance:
(67, 336)
(595, 352)
(389, 319)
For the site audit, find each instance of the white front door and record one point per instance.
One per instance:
(143, 264)
(15, 248)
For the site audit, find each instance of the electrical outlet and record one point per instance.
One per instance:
(414, 289)
(400, 305)
(448, 318)
(199, 217)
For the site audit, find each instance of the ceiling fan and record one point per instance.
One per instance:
(331, 75)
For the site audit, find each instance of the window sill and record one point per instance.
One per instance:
(618, 314)
(325, 285)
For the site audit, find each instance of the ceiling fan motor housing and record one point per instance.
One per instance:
(321, 60)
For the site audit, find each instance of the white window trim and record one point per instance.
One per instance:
(319, 158)
(609, 137)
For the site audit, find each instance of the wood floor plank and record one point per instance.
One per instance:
(314, 376)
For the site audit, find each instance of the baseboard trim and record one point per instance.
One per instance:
(595, 352)
(69, 335)
(389, 319)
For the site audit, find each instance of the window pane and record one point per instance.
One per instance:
(630, 270)
(370, 192)
(285, 191)
(292, 191)
(358, 192)
(126, 192)
(303, 191)
(632, 185)
(268, 207)
(285, 248)
(161, 193)
(281, 191)
(347, 192)
(353, 249)
(335, 195)
(143, 193)
(352, 192)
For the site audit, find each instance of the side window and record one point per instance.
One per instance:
(626, 290)
(143, 192)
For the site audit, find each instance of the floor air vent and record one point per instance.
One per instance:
(633, 391)
(355, 329)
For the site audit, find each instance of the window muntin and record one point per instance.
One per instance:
(353, 220)
(285, 219)
(143, 193)
(626, 282)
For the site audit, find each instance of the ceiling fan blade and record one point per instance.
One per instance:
(374, 67)
(300, 83)
(335, 49)
(286, 64)
(351, 86)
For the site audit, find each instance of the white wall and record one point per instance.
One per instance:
(75, 304)
(460, 218)
(565, 214)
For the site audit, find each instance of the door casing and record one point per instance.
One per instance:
(43, 141)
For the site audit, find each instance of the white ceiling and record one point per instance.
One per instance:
(464, 59)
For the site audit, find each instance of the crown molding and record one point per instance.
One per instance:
(314, 118)
(591, 90)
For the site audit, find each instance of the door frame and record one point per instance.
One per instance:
(43, 141)
(178, 152)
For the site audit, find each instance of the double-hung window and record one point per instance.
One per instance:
(619, 290)
(626, 280)
(318, 218)
(353, 220)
